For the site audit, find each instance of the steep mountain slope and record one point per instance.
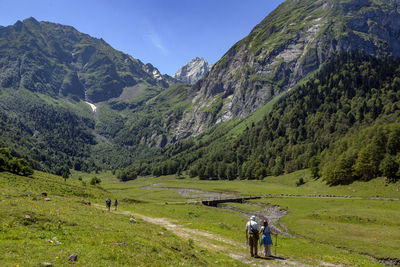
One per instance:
(349, 112)
(193, 71)
(291, 42)
(58, 60)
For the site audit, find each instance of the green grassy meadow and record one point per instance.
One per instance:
(326, 229)
(347, 230)
(30, 227)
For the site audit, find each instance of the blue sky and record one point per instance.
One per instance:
(165, 33)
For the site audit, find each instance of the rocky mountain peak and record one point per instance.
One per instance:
(193, 71)
(152, 71)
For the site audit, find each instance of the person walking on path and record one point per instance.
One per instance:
(115, 204)
(108, 204)
(252, 236)
(266, 239)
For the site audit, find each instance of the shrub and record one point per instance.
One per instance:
(26, 171)
(300, 182)
(65, 176)
(95, 181)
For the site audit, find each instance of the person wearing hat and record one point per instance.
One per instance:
(252, 236)
(266, 239)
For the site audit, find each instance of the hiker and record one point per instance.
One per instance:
(116, 204)
(266, 239)
(252, 236)
(108, 204)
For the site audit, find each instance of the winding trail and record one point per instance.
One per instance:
(211, 241)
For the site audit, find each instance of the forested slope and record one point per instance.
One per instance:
(350, 93)
(51, 136)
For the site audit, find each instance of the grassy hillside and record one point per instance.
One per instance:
(30, 227)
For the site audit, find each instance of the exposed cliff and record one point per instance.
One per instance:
(193, 71)
(291, 42)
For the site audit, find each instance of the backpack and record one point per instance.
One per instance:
(253, 231)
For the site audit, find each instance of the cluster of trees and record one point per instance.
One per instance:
(373, 152)
(351, 92)
(13, 164)
(127, 174)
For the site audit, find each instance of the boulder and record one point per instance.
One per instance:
(73, 257)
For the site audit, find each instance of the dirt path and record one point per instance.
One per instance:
(269, 212)
(211, 241)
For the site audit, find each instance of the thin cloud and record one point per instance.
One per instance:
(155, 39)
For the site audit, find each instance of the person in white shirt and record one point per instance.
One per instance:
(252, 236)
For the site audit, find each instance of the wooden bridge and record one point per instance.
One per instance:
(215, 202)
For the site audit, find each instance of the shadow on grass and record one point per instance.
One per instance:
(270, 258)
(277, 258)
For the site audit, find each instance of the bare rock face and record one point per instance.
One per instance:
(162, 79)
(283, 49)
(193, 71)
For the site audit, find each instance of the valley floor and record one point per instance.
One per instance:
(354, 225)
(344, 225)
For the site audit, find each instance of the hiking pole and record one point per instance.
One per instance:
(276, 242)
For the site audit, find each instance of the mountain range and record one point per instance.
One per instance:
(217, 122)
(57, 60)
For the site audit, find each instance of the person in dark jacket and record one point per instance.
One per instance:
(108, 204)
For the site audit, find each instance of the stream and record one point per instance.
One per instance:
(269, 212)
(92, 106)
